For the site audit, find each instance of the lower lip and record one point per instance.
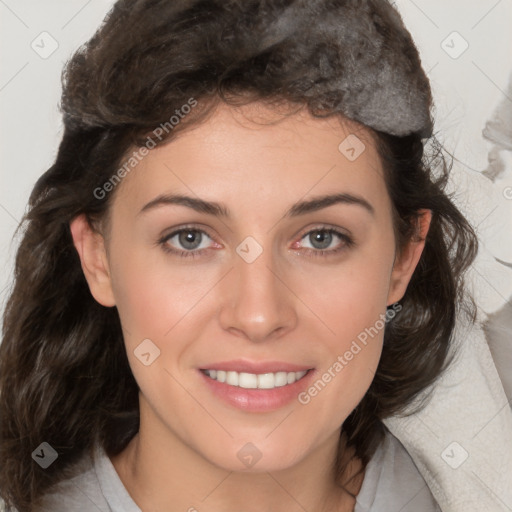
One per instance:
(257, 400)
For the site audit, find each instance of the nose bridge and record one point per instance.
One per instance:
(254, 301)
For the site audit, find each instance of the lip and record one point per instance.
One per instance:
(244, 365)
(257, 400)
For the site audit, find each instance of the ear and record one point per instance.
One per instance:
(90, 246)
(405, 263)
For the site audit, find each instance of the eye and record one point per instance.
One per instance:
(186, 242)
(190, 242)
(322, 240)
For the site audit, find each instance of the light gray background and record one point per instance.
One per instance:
(469, 89)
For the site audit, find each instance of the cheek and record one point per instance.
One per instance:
(348, 297)
(157, 300)
(153, 292)
(351, 301)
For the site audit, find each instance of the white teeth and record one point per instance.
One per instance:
(247, 380)
(232, 378)
(281, 379)
(256, 381)
(266, 381)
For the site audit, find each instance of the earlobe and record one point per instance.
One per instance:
(406, 263)
(93, 258)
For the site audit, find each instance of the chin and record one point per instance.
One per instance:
(256, 457)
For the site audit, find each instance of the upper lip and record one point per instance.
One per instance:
(246, 366)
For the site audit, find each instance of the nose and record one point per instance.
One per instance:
(256, 302)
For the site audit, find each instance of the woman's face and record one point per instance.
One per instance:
(220, 260)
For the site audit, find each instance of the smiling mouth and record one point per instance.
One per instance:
(255, 380)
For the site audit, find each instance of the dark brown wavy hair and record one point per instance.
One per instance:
(64, 373)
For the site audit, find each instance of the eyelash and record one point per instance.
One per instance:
(348, 242)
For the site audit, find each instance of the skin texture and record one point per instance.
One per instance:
(287, 305)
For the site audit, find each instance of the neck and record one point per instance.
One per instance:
(161, 472)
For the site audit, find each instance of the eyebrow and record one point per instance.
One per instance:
(219, 210)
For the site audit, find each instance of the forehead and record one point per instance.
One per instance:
(259, 154)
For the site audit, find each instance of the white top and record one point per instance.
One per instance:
(392, 483)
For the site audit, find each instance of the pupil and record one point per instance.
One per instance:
(323, 238)
(189, 239)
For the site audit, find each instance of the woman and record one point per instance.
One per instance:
(239, 264)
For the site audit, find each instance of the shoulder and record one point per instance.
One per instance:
(392, 482)
(79, 493)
